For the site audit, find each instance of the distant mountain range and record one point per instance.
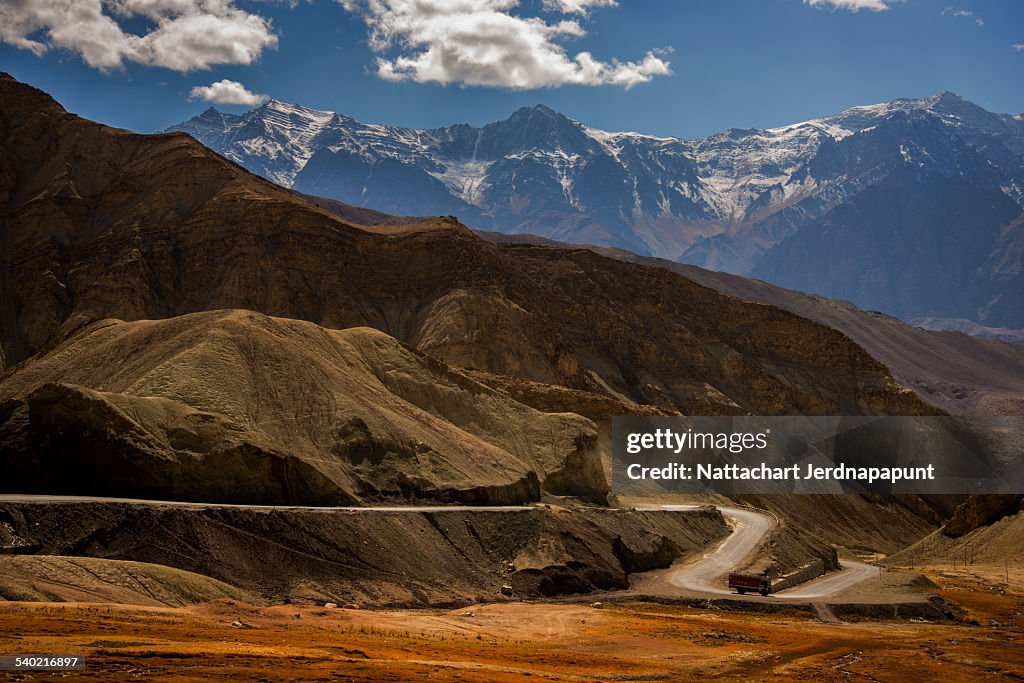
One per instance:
(913, 207)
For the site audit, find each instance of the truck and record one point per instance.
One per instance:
(750, 582)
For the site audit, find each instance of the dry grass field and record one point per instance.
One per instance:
(227, 640)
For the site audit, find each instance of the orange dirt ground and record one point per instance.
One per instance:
(511, 642)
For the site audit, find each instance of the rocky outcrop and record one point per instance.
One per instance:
(868, 524)
(981, 510)
(66, 439)
(788, 549)
(578, 551)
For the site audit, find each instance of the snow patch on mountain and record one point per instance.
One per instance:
(465, 178)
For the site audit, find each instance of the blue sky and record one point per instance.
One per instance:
(674, 67)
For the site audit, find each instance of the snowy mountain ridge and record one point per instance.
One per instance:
(725, 201)
(734, 168)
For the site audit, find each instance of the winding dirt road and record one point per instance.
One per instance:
(853, 573)
(749, 528)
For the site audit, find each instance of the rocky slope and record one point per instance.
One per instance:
(44, 578)
(959, 373)
(986, 530)
(968, 327)
(172, 325)
(181, 401)
(870, 204)
(964, 375)
(981, 511)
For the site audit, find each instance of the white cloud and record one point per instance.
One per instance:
(227, 92)
(185, 34)
(1019, 47)
(853, 5)
(965, 13)
(481, 43)
(577, 6)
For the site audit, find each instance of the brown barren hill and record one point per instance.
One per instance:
(101, 223)
(958, 373)
(235, 406)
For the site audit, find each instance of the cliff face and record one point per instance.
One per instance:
(100, 223)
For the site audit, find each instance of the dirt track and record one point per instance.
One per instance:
(748, 530)
(853, 573)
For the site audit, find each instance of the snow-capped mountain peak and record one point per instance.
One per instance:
(540, 171)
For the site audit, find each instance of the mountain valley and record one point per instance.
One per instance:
(199, 366)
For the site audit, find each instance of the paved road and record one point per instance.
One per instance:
(749, 527)
(19, 498)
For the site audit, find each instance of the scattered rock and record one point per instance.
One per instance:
(506, 590)
(330, 605)
(597, 605)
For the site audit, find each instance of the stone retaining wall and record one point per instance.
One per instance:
(811, 571)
